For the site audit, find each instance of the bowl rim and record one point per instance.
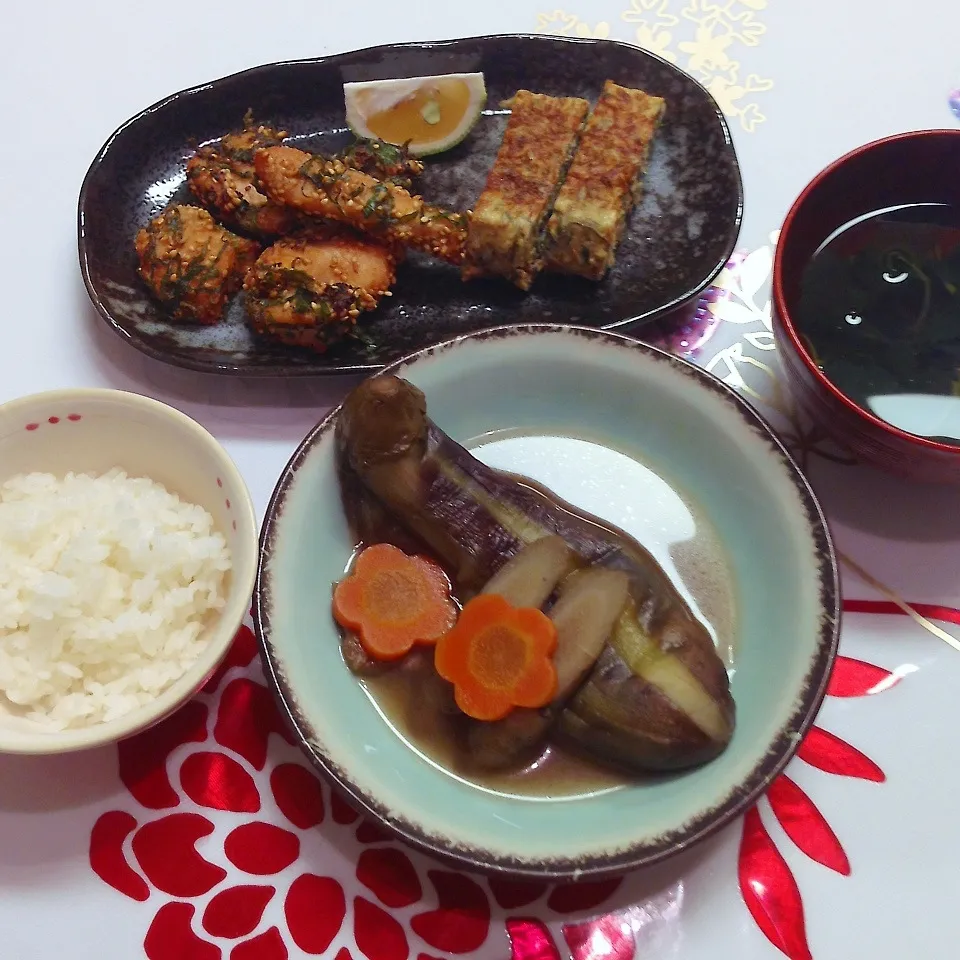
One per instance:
(779, 752)
(225, 368)
(222, 631)
(783, 312)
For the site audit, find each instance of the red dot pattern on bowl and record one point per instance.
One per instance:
(73, 418)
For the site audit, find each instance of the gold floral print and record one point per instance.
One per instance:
(561, 23)
(705, 37)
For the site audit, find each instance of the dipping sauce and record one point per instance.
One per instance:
(880, 314)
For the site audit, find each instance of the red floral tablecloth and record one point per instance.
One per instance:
(225, 822)
(210, 838)
(235, 847)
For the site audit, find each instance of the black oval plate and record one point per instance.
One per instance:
(679, 236)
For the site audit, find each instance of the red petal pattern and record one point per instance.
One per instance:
(511, 894)
(530, 940)
(217, 781)
(241, 652)
(107, 858)
(829, 753)
(378, 935)
(388, 872)
(770, 891)
(369, 832)
(247, 716)
(165, 850)
(314, 910)
(856, 678)
(805, 825)
(143, 758)
(237, 911)
(171, 937)
(298, 795)
(573, 897)
(342, 812)
(462, 918)
(608, 938)
(343, 954)
(268, 946)
(261, 848)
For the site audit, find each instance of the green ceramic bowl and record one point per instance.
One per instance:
(648, 442)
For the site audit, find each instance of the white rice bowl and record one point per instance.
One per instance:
(108, 585)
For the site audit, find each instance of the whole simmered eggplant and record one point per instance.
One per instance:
(658, 696)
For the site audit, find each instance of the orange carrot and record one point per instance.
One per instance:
(498, 657)
(393, 601)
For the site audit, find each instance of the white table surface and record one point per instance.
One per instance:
(816, 79)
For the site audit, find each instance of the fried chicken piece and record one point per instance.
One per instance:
(222, 178)
(192, 263)
(235, 199)
(385, 161)
(240, 145)
(309, 290)
(328, 188)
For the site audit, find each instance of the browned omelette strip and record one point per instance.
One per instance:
(507, 222)
(603, 183)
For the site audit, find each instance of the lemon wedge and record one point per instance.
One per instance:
(431, 114)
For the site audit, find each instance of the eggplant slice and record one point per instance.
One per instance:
(588, 605)
(658, 696)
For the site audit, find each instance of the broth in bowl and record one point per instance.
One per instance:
(864, 311)
(879, 312)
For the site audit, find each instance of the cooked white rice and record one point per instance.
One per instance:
(107, 585)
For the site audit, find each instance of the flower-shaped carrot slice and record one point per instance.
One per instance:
(498, 657)
(393, 601)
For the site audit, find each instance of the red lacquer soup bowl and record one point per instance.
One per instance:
(922, 167)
